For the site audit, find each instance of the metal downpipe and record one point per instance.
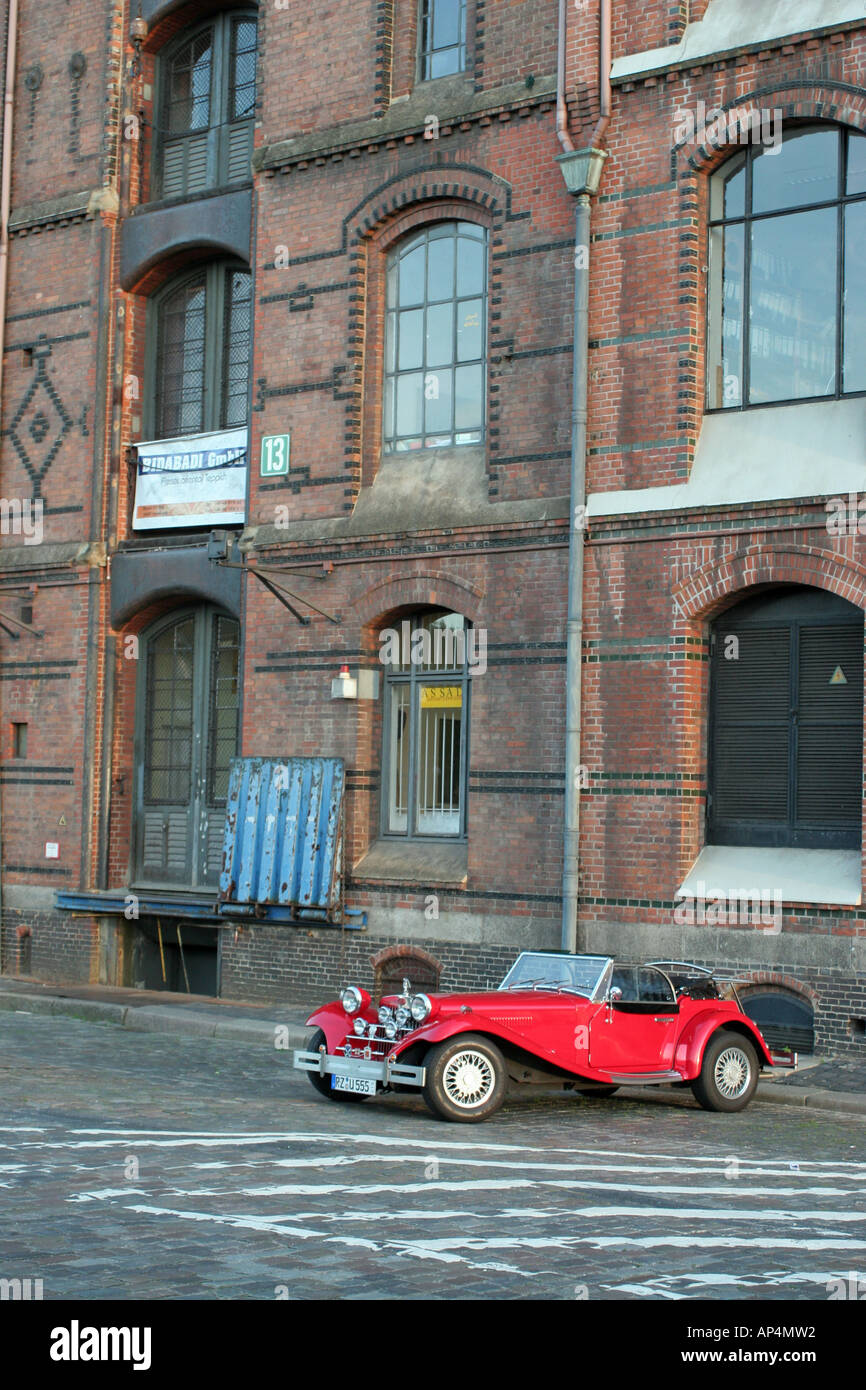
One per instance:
(574, 622)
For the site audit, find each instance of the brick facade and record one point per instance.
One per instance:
(343, 169)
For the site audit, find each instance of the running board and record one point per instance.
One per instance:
(644, 1078)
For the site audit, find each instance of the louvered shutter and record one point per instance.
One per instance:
(750, 726)
(186, 165)
(239, 152)
(167, 846)
(830, 726)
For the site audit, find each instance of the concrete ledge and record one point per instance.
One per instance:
(164, 1019)
(27, 1004)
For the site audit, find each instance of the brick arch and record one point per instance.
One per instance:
(394, 962)
(465, 187)
(789, 984)
(716, 586)
(828, 102)
(417, 591)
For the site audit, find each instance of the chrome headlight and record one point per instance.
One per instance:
(351, 999)
(390, 1030)
(420, 1008)
(360, 1027)
(385, 1014)
(401, 1017)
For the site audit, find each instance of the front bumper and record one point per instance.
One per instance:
(386, 1072)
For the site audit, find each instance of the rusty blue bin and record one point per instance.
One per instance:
(283, 846)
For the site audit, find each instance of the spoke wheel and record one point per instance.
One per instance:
(729, 1073)
(466, 1079)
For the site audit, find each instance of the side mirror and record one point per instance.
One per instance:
(614, 994)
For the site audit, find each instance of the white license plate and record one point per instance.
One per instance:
(359, 1085)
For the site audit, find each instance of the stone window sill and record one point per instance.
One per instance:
(422, 862)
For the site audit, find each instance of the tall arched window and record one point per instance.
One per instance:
(436, 338)
(425, 723)
(786, 722)
(200, 344)
(787, 285)
(207, 96)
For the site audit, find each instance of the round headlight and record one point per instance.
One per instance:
(420, 1008)
(401, 1017)
(385, 1014)
(390, 1030)
(359, 1026)
(351, 999)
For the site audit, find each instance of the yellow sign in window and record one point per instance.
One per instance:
(441, 697)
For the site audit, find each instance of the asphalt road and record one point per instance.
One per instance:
(146, 1166)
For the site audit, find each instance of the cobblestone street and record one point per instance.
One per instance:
(158, 1167)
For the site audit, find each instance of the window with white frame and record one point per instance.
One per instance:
(436, 338)
(425, 728)
(787, 275)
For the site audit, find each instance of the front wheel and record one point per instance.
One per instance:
(729, 1073)
(466, 1079)
(322, 1084)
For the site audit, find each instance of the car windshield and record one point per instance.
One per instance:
(547, 970)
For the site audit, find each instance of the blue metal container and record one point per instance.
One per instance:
(282, 852)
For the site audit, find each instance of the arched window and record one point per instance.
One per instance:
(436, 338)
(187, 733)
(206, 103)
(442, 50)
(786, 722)
(787, 284)
(200, 352)
(425, 725)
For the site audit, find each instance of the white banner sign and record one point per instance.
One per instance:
(197, 480)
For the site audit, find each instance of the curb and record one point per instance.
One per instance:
(166, 1018)
(159, 1018)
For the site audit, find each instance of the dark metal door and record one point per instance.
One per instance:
(187, 736)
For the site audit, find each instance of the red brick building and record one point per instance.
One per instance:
(289, 364)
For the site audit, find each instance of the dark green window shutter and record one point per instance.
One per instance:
(786, 728)
(751, 725)
(830, 734)
(206, 108)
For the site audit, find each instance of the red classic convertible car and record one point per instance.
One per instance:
(589, 1023)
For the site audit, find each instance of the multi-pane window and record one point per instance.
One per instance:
(787, 282)
(425, 718)
(208, 93)
(436, 338)
(201, 348)
(443, 37)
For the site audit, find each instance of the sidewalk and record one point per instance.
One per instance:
(821, 1083)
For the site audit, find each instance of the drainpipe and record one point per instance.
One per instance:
(5, 207)
(582, 171)
(6, 178)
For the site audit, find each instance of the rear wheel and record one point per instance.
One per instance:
(729, 1073)
(466, 1079)
(322, 1084)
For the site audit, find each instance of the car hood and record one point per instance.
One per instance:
(499, 1005)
